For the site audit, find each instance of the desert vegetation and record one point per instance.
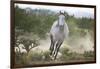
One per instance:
(32, 28)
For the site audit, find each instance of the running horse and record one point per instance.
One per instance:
(59, 31)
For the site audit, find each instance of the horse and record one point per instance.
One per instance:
(59, 31)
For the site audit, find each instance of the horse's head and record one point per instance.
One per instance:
(61, 19)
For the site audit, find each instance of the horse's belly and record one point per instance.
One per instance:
(58, 36)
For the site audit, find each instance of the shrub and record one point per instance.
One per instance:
(88, 55)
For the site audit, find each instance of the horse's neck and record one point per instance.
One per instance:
(58, 23)
(59, 27)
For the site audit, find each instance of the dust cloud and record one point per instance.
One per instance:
(78, 45)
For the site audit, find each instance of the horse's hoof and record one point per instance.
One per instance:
(51, 57)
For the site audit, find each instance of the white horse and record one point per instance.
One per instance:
(59, 31)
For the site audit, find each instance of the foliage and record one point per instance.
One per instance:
(40, 57)
(67, 55)
(38, 22)
(89, 55)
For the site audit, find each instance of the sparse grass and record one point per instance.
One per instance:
(89, 55)
(42, 57)
(34, 26)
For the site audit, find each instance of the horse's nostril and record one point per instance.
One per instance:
(61, 25)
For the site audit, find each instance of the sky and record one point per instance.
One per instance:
(76, 11)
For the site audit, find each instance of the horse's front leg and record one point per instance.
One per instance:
(57, 48)
(51, 37)
(52, 45)
(51, 48)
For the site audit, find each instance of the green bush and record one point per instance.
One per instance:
(35, 56)
(46, 56)
(40, 24)
(88, 55)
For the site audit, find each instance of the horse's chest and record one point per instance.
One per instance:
(58, 34)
